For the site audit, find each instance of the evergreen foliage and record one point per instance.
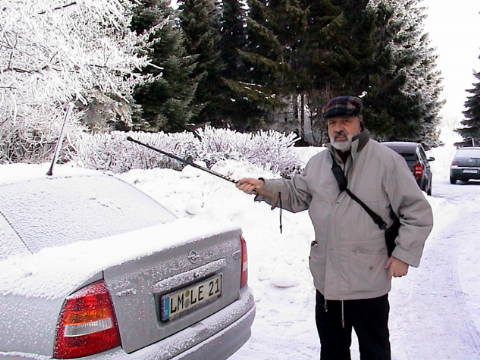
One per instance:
(201, 23)
(273, 53)
(341, 51)
(471, 129)
(315, 49)
(405, 97)
(236, 108)
(166, 101)
(233, 37)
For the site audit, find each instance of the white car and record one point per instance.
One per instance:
(93, 268)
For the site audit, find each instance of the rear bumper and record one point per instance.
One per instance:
(464, 174)
(215, 338)
(224, 343)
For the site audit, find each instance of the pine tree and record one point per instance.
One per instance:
(262, 56)
(200, 21)
(340, 52)
(406, 97)
(166, 101)
(275, 30)
(235, 108)
(471, 130)
(233, 37)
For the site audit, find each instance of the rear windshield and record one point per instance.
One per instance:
(464, 153)
(409, 156)
(58, 211)
(10, 243)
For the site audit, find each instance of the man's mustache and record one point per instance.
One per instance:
(339, 134)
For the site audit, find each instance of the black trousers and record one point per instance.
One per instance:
(369, 319)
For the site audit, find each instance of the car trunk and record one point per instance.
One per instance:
(201, 277)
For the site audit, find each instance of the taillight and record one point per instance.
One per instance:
(454, 163)
(418, 170)
(244, 267)
(87, 323)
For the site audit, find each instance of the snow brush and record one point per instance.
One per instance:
(191, 163)
(185, 161)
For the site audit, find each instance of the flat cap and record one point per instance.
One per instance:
(342, 106)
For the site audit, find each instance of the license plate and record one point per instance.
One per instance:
(196, 295)
(470, 171)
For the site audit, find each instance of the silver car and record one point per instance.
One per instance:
(465, 165)
(93, 268)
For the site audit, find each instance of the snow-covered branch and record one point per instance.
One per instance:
(60, 7)
(53, 52)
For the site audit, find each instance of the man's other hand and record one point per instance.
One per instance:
(396, 267)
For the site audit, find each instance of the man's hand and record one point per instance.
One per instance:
(250, 185)
(396, 267)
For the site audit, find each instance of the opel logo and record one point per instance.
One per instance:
(193, 256)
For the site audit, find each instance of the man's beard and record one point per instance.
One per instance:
(341, 145)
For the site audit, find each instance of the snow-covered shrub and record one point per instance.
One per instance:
(269, 149)
(53, 52)
(113, 152)
(33, 140)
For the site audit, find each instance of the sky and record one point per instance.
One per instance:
(454, 29)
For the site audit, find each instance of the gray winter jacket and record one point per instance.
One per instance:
(348, 256)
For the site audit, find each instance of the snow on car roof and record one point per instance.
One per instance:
(401, 145)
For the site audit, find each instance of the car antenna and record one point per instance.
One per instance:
(185, 161)
(58, 146)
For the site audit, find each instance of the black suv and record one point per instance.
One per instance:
(414, 155)
(465, 164)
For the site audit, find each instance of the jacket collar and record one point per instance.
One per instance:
(358, 143)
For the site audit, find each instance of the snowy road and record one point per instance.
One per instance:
(435, 309)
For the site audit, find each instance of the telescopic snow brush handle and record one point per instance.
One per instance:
(191, 163)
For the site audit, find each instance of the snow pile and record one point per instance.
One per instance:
(443, 158)
(269, 149)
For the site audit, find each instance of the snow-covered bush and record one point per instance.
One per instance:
(113, 152)
(53, 52)
(269, 149)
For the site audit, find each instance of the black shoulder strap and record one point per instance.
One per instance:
(343, 186)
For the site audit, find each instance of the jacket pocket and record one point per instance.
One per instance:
(316, 262)
(367, 272)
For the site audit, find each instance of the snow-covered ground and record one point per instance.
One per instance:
(435, 310)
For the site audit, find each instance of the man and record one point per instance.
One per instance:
(349, 263)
